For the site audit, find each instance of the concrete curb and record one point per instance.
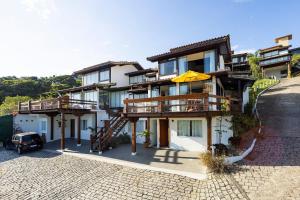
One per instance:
(198, 176)
(233, 159)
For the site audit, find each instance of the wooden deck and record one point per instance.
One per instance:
(56, 105)
(191, 105)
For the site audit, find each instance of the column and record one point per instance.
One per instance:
(289, 70)
(51, 127)
(78, 131)
(133, 136)
(209, 137)
(62, 141)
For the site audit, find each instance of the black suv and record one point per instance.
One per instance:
(24, 142)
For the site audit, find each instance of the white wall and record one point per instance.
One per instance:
(139, 139)
(187, 143)
(32, 123)
(222, 64)
(27, 123)
(274, 72)
(245, 97)
(226, 124)
(118, 74)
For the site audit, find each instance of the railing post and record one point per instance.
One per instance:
(59, 102)
(19, 106)
(29, 106)
(206, 103)
(126, 106)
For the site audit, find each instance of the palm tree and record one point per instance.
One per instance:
(253, 60)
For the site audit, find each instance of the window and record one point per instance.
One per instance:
(137, 79)
(104, 75)
(90, 78)
(234, 60)
(167, 67)
(183, 88)
(83, 124)
(90, 96)
(141, 96)
(103, 98)
(270, 54)
(191, 128)
(43, 125)
(117, 98)
(209, 61)
(182, 65)
(275, 60)
(76, 96)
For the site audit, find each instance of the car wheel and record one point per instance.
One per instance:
(19, 150)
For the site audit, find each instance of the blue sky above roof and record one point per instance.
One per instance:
(49, 37)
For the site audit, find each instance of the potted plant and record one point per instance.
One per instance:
(146, 134)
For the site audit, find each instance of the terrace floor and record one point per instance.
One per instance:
(159, 158)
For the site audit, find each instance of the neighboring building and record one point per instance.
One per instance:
(123, 97)
(240, 63)
(275, 61)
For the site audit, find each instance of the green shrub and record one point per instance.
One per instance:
(122, 138)
(242, 123)
(213, 163)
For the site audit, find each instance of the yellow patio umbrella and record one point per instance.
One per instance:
(190, 76)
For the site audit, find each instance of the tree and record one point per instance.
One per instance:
(10, 104)
(253, 60)
(295, 59)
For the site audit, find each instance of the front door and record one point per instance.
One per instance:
(163, 130)
(72, 128)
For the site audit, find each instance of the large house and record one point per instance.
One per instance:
(118, 97)
(275, 60)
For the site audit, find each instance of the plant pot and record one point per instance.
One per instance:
(146, 144)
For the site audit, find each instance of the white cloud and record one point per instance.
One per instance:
(43, 8)
(245, 51)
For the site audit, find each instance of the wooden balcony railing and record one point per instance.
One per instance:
(57, 103)
(198, 102)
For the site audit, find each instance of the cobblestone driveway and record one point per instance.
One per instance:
(44, 175)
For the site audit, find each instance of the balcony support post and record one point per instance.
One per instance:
(289, 71)
(62, 129)
(209, 130)
(133, 135)
(78, 130)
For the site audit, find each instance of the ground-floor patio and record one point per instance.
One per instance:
(185, 161)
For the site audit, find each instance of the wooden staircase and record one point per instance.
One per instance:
(102, 140)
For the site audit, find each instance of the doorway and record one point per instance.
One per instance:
(164, 133)
(72, 128)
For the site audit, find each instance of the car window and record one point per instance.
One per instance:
(26, 138)
(35, 136)
(17, 137)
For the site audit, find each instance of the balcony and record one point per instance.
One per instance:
(56, 104)
(198, 104)
(275, 60)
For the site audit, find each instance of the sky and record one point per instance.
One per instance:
(55, 37)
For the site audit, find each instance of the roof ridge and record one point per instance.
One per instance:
(202, 41)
